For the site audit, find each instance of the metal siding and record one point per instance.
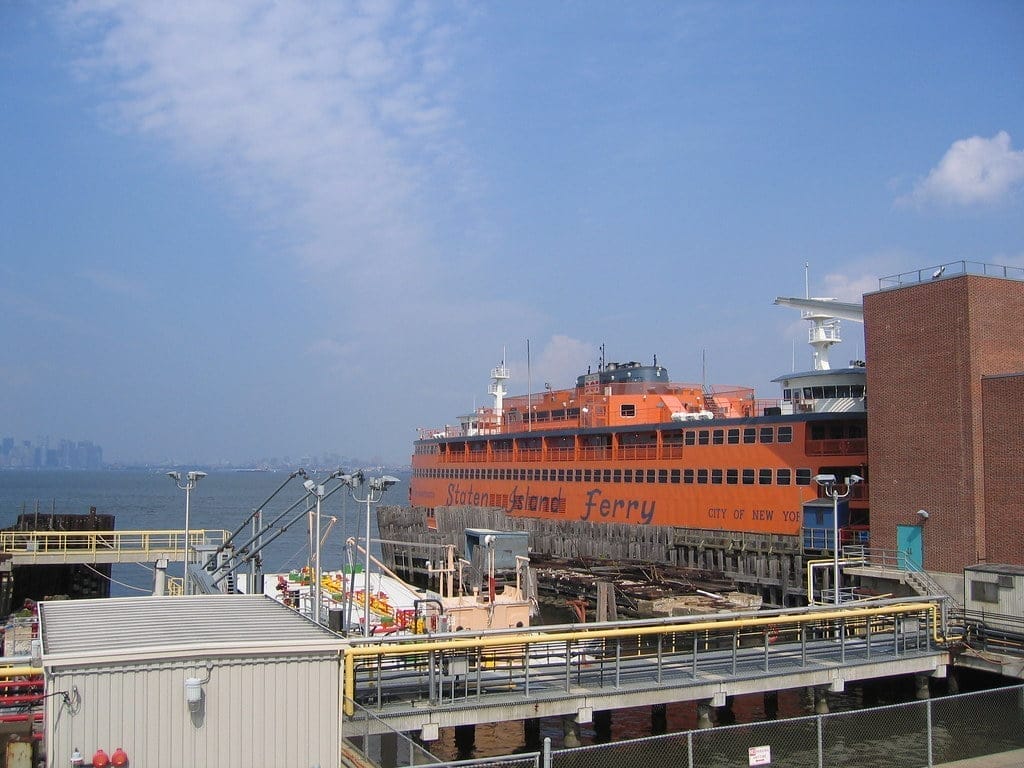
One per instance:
(257, 711)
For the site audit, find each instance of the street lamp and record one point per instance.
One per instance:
(376, 487)
(191, 480)
(318, 491)
(828, 484)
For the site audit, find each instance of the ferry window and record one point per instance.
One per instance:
(543, 475)
(639, 477)
(702, 477)
(783, 477)
(749, 435)
(785, 434)
(808, 393)
(843, 390)
(628, 476)
(579, 475)
(703, 437)
(817, 432)
(855, 430)
(662, 475)
(718, 437)
(857, 390)
(688, 476)
(675, 476)
(764, 477)
(627, 410)
(787, 394)
(690, 438)
(819, 392)
(748, 477)
(803, 477)
(767, 434)
(607, 475)
(650, 475)
(616, 475)
(586, 475)
(732, 476)
(734, 437)
(561, 475)
(716, 477)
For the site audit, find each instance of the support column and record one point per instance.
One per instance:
(571, 729)
(821, 700)
(531, 733)
(603, 726)
(921, 687)
(389, 749)
(659, 719)
(704, 714)
(771, 705)
(465, 740)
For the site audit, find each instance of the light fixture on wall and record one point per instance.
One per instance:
(923, 514)
(193, 693)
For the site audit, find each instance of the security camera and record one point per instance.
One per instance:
(923, 514)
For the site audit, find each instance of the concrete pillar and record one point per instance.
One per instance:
(704, 714)
(921, 687)
(531, 733)
(571, 729)
(603, 726)
(659, 719)
(821, 700)
(465, 740)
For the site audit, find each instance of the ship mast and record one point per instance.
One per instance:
(824, 315)
(499, 375)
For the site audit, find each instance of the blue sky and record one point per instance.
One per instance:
(238, 230)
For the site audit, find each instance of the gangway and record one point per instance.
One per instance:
(18, 548)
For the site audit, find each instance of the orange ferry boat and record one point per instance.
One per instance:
(628, 445)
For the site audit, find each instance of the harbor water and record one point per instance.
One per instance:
(149, 500)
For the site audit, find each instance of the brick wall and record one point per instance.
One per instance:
(928, 346)
(1003, 402)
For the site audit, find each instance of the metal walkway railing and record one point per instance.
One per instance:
(53, 547)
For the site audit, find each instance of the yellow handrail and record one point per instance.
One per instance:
(536, 636)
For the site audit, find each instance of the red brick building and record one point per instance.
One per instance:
(945, 384)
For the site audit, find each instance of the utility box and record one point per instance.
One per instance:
(507, 546)
(994, 598)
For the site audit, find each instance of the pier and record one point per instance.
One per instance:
(422, 684)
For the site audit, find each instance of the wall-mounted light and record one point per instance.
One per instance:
(923, 514)
(193, 693)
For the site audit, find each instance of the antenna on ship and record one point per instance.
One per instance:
(824, 315)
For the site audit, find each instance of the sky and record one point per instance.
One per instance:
(250, 229)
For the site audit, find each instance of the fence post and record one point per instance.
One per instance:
(821, 743)
(928, 711)
(547, 752)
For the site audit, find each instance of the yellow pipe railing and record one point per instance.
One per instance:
(409, 648)
(56, 542)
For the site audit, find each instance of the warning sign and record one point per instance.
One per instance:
(759, 755)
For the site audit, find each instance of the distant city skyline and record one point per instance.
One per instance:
(254, 229)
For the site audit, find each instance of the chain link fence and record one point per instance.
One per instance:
(913, 735)
(918, 734)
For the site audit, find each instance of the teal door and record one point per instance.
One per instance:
(908, 540)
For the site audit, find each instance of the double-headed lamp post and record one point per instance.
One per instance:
(375, 488)
(830, 485)
(191, 480)
(318, 491)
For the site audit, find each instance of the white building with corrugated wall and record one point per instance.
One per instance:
(206, 680)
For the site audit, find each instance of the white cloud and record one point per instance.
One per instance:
(324, 119)
(973, 171)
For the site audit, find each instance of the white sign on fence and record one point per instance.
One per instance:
(759, 755)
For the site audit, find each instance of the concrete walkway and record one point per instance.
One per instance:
(1014, 759)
